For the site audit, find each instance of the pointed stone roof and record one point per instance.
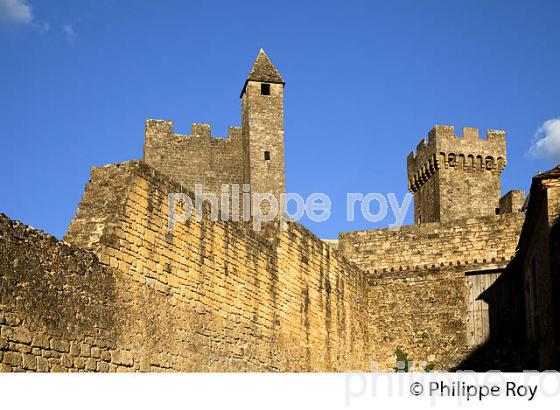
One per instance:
(264, 71)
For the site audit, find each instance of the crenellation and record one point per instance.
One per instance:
(201, 130)
(421, 148)
(162, 130)
(470, 134)
(234, 134)
(496, 135)
(442, 143)
(441, 192)
(158, 128)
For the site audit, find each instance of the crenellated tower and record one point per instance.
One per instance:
(455, 177)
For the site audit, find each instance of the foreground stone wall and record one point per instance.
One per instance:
(122, 293)
(58, 307)
(208, 297)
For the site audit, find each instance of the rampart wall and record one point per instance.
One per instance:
(209, 296)
(490, 239)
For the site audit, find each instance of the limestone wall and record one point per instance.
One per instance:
(208, 297)
(197, 158)
(490, 240)
(424, 314)
(122, 293)
(418, 299)
(58, 306)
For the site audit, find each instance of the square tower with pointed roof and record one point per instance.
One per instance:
(251, 154)
(262, 111)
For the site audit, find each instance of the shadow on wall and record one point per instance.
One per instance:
(506, 348)
(555, 285)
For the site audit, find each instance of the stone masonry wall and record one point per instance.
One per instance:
(422, 313)
(193, 159)
(490, 239)
(417, 294)
(453, 177)
(513, 201)
(209, 297)
(231, 300)
(58, 306)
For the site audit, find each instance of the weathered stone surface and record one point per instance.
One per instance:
(122, 358)
(91, 364)
(13, 359)
(489, 240)
(29, 362)
(74, 349)
(231, 300)
(456, 177)
(42, 364)
(60, 345)
(40, 340)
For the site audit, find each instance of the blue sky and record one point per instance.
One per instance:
(366, 80)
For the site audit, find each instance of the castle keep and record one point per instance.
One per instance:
(472, 284)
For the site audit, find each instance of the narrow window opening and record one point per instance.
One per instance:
(267, 155)
(265, 89)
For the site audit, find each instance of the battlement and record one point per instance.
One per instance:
(456, 176)
(468, 152)
(161, 129)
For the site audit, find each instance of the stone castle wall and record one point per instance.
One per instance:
(491, 240)
(210, 296)
(418, 298)
(193, 159)
(215, 296)
(423, 313)
(59, 307)
(123, 293)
